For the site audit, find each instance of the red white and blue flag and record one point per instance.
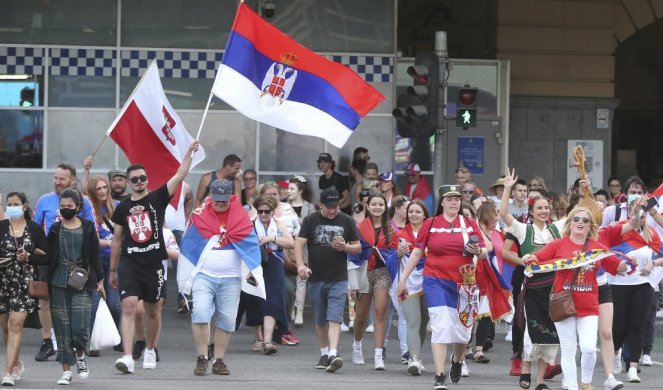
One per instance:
(149, 132)
(212, 231)
(269, 77)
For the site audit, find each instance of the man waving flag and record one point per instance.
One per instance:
(269, 77)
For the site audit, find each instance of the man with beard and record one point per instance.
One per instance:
(118, 184)
(46, 214)
(138, 241)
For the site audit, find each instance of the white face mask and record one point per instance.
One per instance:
(630, 198)
(14, 212)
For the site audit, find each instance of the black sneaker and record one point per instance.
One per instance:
(45, 351)
(210, 351)
(335, 363)
(118, 348)
(323, 363)
(139, 347)
(94, 353)
(440, 382)
(456, 371)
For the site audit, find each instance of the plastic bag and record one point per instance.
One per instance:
(104, 333)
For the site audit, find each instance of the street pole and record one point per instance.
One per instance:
(442, 57)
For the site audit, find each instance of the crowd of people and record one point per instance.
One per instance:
(251, 252)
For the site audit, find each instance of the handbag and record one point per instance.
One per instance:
(37, 289)
(561, 305)
(77, 277)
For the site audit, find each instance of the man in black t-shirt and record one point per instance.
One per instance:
(329, 236)
(138, 242)
(330, 178)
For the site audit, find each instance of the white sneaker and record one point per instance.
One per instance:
(18, 370)
(65, 379)
(645, 360)
(379, 362)
(351, 324)
(7, 380)
(125, 364)
(509, 334)
(659, 314)
(612, 384)
(464, 371)
(633, 375)
(149, 359)
(357, 356)
(344, 328)
(564, 385)
(370, 328)
(414, 365)
(617, 364)
(81, 368)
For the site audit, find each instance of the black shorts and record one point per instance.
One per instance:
(143, 281)
(605, 294)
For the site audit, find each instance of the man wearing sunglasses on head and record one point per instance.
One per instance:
(138, 241)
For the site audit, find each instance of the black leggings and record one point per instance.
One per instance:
(631, 305)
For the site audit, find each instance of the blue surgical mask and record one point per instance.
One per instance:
(14, 212)
(630, 198)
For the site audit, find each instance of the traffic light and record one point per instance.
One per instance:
(416, 114)
(466, 116)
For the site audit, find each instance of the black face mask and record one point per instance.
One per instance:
(68, 213)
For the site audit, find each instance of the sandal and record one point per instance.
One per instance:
(479, 357)
(268, 348)
(542, 386)
(525, 381)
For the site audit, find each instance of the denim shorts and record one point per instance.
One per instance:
(328, 300)
(215, 295)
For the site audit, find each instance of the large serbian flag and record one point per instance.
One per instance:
(269, 77)
(149, 132)
(223, 237)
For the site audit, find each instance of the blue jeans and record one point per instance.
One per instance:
(112, 300)
(215, 295)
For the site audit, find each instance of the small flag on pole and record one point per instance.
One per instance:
(149, 132)
(269, 77)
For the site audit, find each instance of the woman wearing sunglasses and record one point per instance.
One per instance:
(579, 235)
(275, 237)
(532, 307)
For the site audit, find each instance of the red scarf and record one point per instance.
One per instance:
(367, 232)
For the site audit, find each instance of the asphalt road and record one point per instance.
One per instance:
(293, 367)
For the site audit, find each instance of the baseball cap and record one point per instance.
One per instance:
(325, 157)
(283, 184)
(449, 190)
(412, 168)
(386, 176)
(116, 172)
(221, 191)
(462, 169)
(330, 197)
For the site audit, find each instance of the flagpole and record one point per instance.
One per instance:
(103, 138)
(200, 129)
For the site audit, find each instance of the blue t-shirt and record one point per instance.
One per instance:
(105, 234)
(48, 210)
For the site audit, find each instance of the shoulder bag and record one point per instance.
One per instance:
(561, 303)
(36, 288)
(77, 277)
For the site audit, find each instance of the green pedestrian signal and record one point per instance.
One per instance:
(466, 116)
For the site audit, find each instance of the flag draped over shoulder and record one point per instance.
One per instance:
(269, 77)
(205, 233)
(149, 132)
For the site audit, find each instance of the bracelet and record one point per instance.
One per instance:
(652, 212)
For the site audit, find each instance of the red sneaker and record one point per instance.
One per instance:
(289, 339)
(516, 366)
(552, 371)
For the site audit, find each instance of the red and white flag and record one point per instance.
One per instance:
(149, 132)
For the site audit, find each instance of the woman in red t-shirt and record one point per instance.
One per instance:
(580, 234)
